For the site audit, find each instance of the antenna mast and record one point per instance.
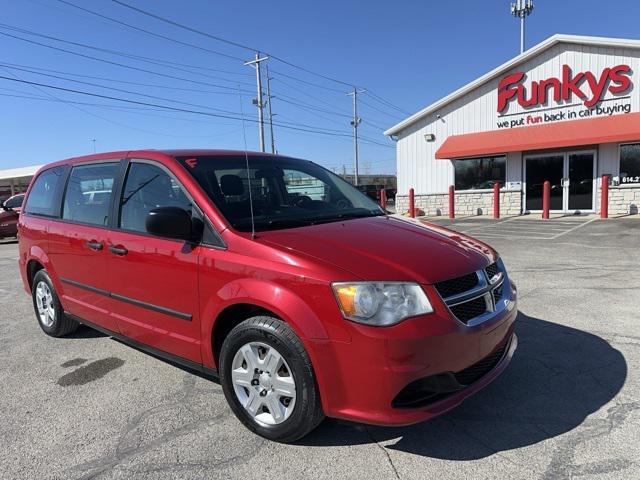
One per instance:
(246, 158)
(522, 9)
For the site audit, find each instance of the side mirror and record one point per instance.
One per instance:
(171, 222)
(3, 206)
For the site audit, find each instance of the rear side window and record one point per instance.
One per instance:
(43, 195)
(147, 187)
(88, 195)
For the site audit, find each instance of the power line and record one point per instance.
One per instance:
(154, 61)
(71, 52)
(106, 79)
(228, 42)
(387, 103)
(148, 32)
(121, 90)
(176, 109)
(185, 27)
(221, 39)
(391, 115)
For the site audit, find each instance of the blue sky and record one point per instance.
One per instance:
(409, 53)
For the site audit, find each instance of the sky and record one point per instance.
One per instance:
(405, 54)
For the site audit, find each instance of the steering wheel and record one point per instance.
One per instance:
(343, 203)
(302, 201)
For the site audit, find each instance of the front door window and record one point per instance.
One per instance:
(539, 170)
(580, 176)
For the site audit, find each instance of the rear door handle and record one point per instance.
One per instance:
(118, 250)
(94, 245)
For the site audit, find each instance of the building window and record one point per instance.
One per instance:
(479, 173)
(630, 163)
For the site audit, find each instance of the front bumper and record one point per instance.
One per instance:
(369, 372)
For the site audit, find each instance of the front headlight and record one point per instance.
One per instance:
(381, 303)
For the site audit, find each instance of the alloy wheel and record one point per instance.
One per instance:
(44, 303)
(263, 383)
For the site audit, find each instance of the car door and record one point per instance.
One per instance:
(153, 281)
(9, 216)
(77, 242)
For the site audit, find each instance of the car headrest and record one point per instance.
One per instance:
(231, 185)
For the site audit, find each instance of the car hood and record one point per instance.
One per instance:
(387, 248)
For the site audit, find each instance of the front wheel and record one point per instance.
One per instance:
(268, 380)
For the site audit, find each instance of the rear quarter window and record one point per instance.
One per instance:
(43, 197)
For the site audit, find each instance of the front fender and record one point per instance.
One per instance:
(282, 301)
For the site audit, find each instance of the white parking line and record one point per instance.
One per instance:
(574, 228)
(518, 228)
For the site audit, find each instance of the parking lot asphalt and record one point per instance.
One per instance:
(568, 406)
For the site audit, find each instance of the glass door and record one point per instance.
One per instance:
(572, 178)
(580, 173)
(538, 169)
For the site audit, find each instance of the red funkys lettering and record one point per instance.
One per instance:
(505, 92)
(584, 85)
(620, 76)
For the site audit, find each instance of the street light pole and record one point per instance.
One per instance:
(522, 9)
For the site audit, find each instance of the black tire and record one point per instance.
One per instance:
(61, 324)
(307, 411)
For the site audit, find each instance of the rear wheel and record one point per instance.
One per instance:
(268, 380)
(46, 304)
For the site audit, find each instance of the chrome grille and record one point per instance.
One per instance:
(456, 286)
(492, 270)
(467, 310)
(474, 296)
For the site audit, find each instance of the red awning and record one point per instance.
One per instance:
(616, 128)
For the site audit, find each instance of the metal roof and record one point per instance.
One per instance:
(19, 172)
(523, 57)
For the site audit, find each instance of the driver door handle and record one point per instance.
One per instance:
(94, 245)
(118, 250)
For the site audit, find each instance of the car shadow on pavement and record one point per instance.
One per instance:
(558, 376)
(84, 331)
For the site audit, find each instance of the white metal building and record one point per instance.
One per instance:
(566, 111)
(16, 180)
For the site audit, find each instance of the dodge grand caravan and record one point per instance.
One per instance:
(293, 288)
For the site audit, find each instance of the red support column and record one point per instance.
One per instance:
(383, 198)
(496, 200)
(412, 204)
(452, 202)
(546, 199)
(604, 197)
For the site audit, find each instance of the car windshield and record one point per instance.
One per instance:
(285, 192)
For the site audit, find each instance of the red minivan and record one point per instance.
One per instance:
(273, 274)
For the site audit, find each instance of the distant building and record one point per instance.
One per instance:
(566, 111)
(16, 180)
(389, 181)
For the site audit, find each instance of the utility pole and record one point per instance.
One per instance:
(522, 9)
(255, 63)
(94, 145)
(269, 97)
(354, 123)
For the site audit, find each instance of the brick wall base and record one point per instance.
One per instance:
(623, 200)
(466, 203)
